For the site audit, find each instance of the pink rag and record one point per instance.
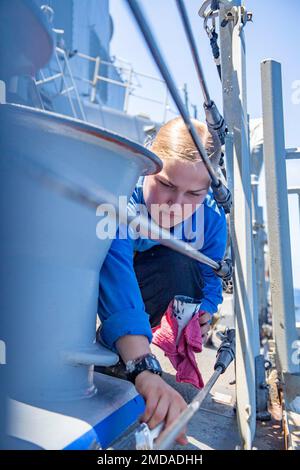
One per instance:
(182, 355)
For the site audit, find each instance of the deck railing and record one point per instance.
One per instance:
(281, 278)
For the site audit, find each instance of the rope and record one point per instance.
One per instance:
(215, 121)
(161, 64)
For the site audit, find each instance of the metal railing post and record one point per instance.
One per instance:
(128, 90)
(259, 238)
(281, 279)
(2, 92)
(165, 104)
(66, 87)
(74, 86)
(95, 80)
(232, 45)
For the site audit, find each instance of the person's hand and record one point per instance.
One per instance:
(204, 318)
(163, 403)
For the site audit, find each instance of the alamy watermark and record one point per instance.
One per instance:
(184, 222)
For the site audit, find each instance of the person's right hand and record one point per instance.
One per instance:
(163, 403)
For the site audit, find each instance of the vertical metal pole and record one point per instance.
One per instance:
(232, 44)
(262, 285)
(127, 91)
(259, 244)
(95, 79)
(2, 92)
(166, 103)
(281, 279)
(195, 109)
(186, 97)
(261, 388)
(83, 116)
(65, 84)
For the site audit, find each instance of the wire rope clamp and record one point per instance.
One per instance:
(225, 269)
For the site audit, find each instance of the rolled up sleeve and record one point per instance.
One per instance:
(121, 308)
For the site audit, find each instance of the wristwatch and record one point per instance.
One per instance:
(146, 362)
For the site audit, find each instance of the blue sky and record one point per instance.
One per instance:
(274, 33)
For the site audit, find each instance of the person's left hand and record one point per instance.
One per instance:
(204, 318)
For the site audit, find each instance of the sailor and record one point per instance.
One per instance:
(140, 276)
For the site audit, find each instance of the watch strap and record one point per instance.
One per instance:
(147, 362)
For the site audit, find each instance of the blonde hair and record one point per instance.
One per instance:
(173, 140)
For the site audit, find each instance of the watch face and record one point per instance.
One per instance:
(133, 367)
(149, 361)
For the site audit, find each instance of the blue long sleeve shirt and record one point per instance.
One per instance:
(121, 308)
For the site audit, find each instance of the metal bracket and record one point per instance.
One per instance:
(225, 269)
(262, 389)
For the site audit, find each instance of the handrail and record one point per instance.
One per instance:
(293, 153)
(238, 169)
(67, 89)
(281, 279)
(129, 83)
(233, 66)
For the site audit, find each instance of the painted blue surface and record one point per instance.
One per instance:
(50, 252)
(111, 427)
(22, 27)
(89, 31)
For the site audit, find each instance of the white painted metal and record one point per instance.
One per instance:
(259, 239)
(2, 92)
(131, 82)
(232, 45)
(281, 279)
(50, 251)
